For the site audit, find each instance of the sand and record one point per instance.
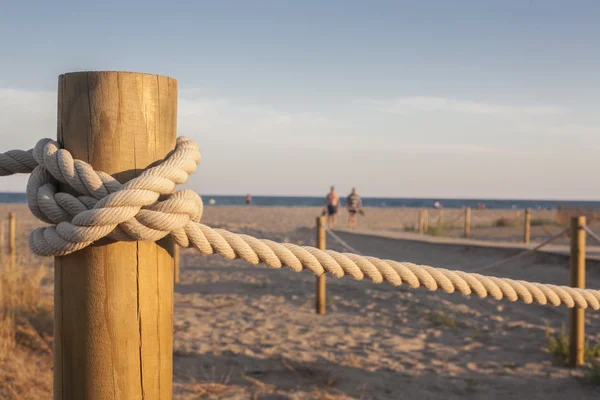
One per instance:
(244, 332)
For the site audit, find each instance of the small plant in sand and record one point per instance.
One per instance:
(558, 345)
(592, 374)
(471, 384)
(441, 318)
(542, 222)
(409, 228)
(504, 222)
(436, 231)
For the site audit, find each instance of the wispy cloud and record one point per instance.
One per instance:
(425, 104)
(245, 142)
(561, 129)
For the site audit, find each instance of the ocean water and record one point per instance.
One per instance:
(369, 202)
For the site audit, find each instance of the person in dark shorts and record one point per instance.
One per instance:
(354, 206)
(248, 200)
(332, 202)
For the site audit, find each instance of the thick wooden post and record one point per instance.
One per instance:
(320, 305)
(421, 221)
(176, 264)
(527, 233)
(577, 315)
(467, 222)
(113, 302)
(441, 218)
(425, 220)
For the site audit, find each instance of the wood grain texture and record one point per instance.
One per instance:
(114, 301)
(177, 261)
(321, 282)
(577, 315)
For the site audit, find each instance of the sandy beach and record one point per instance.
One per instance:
(250, 332)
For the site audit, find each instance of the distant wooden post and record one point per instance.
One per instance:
(441, 218)
(321, 279)
(421, 221)
(577, 315)
(113, 307)
(176, 260)
(425, 220)
(467, 222)
(527, 232)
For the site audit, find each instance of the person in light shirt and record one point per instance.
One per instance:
(354, 206)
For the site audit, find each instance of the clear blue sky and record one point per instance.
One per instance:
(431, 98)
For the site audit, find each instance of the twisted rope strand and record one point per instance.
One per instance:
(135, 211)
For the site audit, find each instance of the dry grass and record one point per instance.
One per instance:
(25, 333)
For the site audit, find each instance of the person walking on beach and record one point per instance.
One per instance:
(354, 206)
(332, 202)
(248, 200)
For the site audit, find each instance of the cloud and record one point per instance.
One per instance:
(271, 148)
(424, 104)
(560, 129)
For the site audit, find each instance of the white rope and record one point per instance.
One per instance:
(340, 241)
(522, 254)
(592, 234)
(132, 211)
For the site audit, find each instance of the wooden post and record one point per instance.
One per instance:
(467, 222)
(321, 279)
(425, 220)
(113, 302)
(176, 264)
(577, 315)
(421, 221)
(441, 218)
(527, 232)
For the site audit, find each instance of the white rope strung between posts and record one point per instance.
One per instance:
(135, 211)
(340, 241)
(592, 234)
(521, 254)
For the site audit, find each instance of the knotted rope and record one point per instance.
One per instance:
(147, 208)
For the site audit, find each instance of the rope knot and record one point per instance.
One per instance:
(146, 208)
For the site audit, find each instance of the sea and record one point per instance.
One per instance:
(301, 201)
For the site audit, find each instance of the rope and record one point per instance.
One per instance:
(522, 254)
(133, 211)
(592, 234)
(340, 241)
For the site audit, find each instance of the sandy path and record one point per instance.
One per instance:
(255, 328)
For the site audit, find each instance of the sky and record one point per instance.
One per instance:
(461, 99)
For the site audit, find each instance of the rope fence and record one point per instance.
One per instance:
(508, 225)
(133, 212)
(84, 206)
